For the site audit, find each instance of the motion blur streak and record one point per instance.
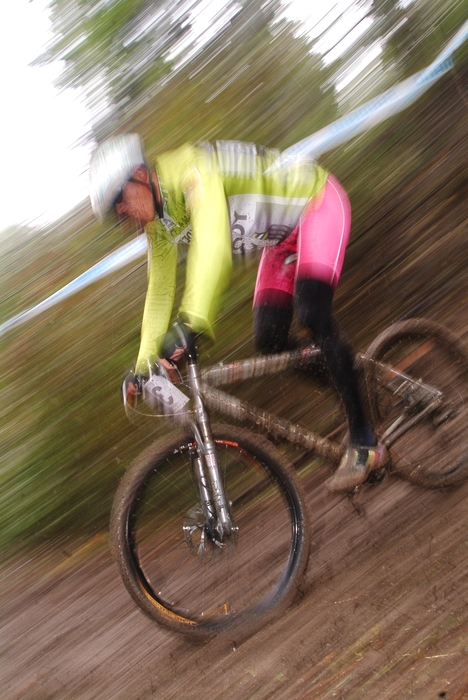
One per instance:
(383, 612)
(376, 110)
(370, 114)
(121, 257)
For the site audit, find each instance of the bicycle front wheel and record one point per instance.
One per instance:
(434, 451)
(183, 579)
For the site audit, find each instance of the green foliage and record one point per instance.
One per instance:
(108, 46)
(268, 90)
(65, 439)
(142, 68)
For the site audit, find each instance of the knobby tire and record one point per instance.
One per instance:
(192, 585)
(433, 453)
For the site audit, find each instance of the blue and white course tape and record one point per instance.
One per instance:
(119, 258)
(374, 111)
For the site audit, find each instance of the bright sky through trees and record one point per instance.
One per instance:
(42, 176)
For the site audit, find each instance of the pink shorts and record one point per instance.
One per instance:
(315, 249)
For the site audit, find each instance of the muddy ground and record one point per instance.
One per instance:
(384, 615)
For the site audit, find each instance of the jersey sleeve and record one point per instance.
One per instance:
(162, 261)
(191, 183)
(209, 257)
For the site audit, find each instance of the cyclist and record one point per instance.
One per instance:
(223, 199)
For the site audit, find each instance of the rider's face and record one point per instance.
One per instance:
(137, 199)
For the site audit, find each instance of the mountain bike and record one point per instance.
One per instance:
(209, 527)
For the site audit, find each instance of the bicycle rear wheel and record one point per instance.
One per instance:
(434, 451)
(174, 573)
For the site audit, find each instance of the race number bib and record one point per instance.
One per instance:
(260, 221)
(162, 393)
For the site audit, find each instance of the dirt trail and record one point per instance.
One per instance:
(384, 615)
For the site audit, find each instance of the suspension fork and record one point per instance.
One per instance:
(199, 471)
(216, 495)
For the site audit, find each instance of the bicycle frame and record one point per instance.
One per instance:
(176, 511)
(420, 398)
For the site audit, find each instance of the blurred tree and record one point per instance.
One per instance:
(397, 38)
(256, 81)
(107, 46)
(412, 32)
(144, 63)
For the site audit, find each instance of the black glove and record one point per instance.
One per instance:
(179, 338)
(132, 385)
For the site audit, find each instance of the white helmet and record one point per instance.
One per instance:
(112, 165)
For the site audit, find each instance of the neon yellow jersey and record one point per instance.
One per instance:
(220, 200)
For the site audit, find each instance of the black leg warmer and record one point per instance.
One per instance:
(271, 328)
(314, 303)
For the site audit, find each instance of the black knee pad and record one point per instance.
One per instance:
(271, 328)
